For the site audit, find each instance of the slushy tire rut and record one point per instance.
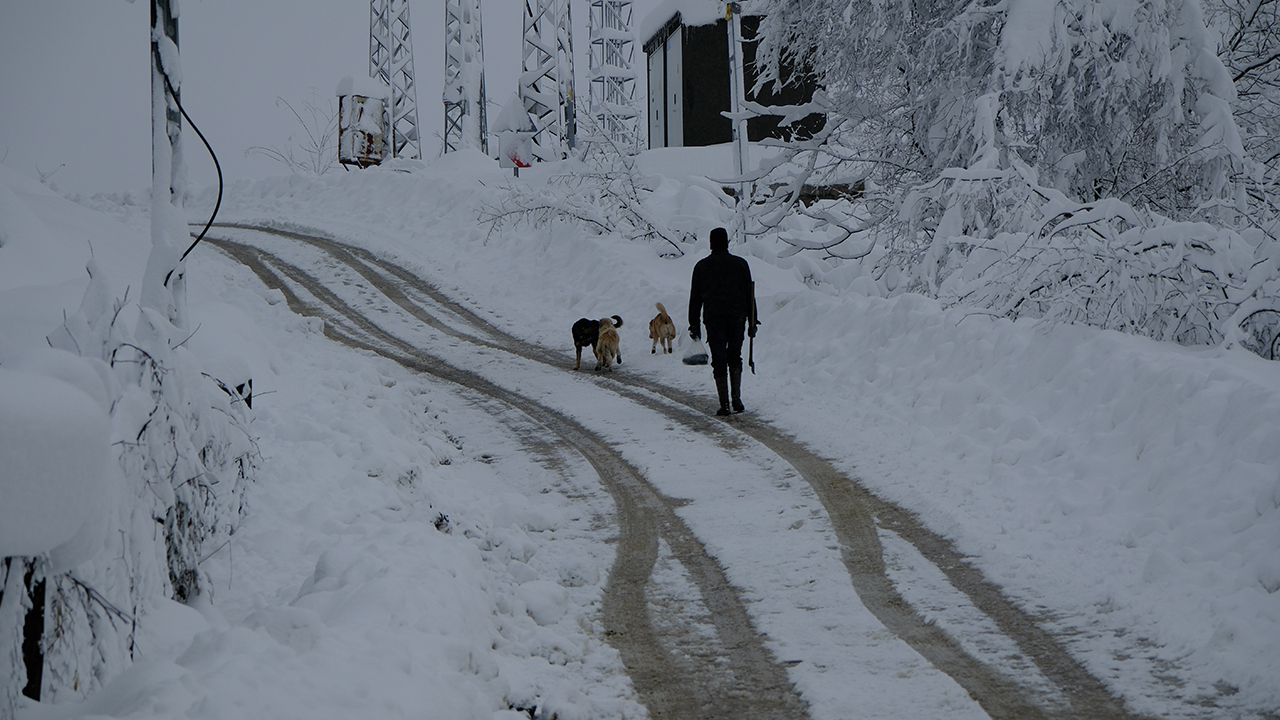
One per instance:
(759, 687)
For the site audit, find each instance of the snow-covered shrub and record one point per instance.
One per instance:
(1104, 263)
(603, 191)
(13, 610)
(313, 150)
(856, 214)
(1249, 47)
(182, 461)
(993, 240)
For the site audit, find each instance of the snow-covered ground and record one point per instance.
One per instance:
(403, 555)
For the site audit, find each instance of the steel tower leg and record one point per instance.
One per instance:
(613, 80)
(391, 61)
(465, 112)
(547, 85)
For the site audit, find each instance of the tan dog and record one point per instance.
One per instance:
(587, 332)
(607, 346)
(661, 330)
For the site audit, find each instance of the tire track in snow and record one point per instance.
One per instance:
(755, 687)
(854, 512)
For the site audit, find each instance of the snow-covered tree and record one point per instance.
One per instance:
(1117, 98)
(1037, 158)
(1250, 49)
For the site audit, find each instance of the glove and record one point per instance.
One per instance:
(751, 331)
(695, 332)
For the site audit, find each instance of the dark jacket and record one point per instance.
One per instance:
(721, 288)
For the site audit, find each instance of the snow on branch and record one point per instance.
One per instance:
(1106, 264)
(603, 193)
(1051, 159)
(181, 461)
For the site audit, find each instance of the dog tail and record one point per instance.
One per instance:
(661, 309)
(617, 321)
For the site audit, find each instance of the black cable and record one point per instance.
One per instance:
(217, 166)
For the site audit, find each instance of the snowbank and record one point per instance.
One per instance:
(53, 465)
(1126, 484)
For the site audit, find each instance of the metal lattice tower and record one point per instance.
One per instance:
(613, 79)
(391, 61)
(546, 86)
(466, 121)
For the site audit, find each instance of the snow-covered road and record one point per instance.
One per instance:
(780, 520)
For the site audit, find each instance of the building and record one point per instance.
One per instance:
(689, 81)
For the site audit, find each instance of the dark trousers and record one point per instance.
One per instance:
(724, 340)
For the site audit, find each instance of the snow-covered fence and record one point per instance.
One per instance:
(174, 486)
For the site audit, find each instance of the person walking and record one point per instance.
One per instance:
(721, 297)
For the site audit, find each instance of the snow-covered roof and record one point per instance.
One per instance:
(692, 12)
(363, 86)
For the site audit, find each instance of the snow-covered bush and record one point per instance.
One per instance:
(1250, 49)
(1060, 159)
(1104, 263)
(313, 148)
(858, 212)
(993, 240)
(181, 461)
(602, 191)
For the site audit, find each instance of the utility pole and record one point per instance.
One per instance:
(391, 61)
(465, 114)
(546, 85)
(613, 80)
(737, 97)
(737, 92)
(163, 285)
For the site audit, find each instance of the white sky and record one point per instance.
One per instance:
(74, 78)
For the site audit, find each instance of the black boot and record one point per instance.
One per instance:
(735, 386)
(722, 388)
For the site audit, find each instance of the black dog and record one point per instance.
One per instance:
(586, 332)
